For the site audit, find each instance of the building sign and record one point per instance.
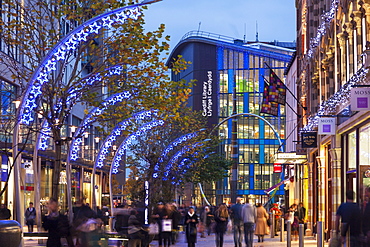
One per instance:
(290, 158)
(327, 126)
(309, 139)
(207, 96)
(278, 168)
(360, 99)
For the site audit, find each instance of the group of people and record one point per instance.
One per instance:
(247, 220)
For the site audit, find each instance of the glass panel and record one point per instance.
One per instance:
(364, 146)
(352, 150)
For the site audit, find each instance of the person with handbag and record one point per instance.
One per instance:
(191, 221)
(160, 213)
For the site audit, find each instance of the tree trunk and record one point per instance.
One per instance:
(57, 164)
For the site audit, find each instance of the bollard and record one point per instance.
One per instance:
(282, 229)
(272, 228)
(10, 233)
(320, 234)
(289, 233)
(301, 235)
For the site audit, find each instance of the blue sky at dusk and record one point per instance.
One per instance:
(276, 18)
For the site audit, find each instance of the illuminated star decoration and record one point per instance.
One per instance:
(90, 118)
(44, 136)
(69, 43)
(129, 140)
(109, 141)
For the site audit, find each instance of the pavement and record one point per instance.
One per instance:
(209, 241)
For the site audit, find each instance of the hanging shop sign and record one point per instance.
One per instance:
(290, 158)
(360, 99)
(309, 139)
(327, 126)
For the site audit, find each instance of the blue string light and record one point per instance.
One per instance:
(129, 140)
(108, 142)
(90, 118)
(169, 148)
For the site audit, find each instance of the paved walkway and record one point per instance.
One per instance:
(209, 241)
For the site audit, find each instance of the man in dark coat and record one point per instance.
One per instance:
(56, 224)
(4, 213)
(350, 214)
(30, 216)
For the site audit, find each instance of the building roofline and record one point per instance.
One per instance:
(221, 40)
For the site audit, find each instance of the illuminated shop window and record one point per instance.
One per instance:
(352, 150)
(364, 146)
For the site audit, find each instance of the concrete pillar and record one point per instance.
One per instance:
(321, 189)
(335, 154)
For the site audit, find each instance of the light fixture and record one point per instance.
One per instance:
(86, 134)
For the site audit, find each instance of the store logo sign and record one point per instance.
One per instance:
(360, 98)
(327, 126)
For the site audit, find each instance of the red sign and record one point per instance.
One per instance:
(278, 168)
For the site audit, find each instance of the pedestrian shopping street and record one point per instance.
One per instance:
(209, 241)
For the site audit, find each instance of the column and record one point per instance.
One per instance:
(321, 189)
(342, 38)
(310, 200)
(335, 154)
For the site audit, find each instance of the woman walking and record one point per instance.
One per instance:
(261, 224)
(221, 218)
(191, 221)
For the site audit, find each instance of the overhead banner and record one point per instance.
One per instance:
(360, 99)
(309, 139)
(327, 126)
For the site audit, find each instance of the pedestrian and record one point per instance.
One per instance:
(275, 209)
(292, 217)
(350, 214)
(30, 216)
(236, 217)
(4, 212)
(366, 217)
(249, 216)
(205, 221)
(191, 221)
(82, 214)
(221, 218)
(57, 225)
(175, 215)
(261, 222)
(135, 231)
(160, 213)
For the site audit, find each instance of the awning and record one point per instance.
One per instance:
(271, 189)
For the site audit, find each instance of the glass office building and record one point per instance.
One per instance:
(221, 65)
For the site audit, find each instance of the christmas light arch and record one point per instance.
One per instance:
(68, 44)
(170, 147)
(109, 141)
(90, 118)
(129, 140)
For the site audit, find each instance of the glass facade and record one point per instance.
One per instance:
(257, 142)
